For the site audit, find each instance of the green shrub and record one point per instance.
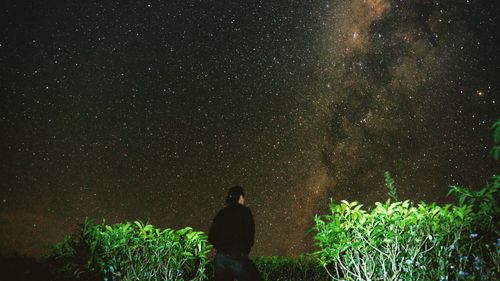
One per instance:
(134, 251)
(408, 241)
(401, 241)
(484, 202)
(278, 268)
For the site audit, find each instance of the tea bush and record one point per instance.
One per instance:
(405, 241)
(133, 251)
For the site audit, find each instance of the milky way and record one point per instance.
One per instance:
(402, 95)
(151, 110)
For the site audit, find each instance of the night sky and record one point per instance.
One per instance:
(150, 110)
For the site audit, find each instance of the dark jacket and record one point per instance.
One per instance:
(233, 230)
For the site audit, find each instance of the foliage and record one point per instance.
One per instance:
(278, 268)
(485, 202)
(403, 241)
(134, 251)
(70, 257)
(391, 187)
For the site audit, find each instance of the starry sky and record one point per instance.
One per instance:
(150, 110)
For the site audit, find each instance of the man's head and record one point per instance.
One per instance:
(235, 195)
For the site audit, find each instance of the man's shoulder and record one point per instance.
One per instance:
(235, 208)
(244, 210)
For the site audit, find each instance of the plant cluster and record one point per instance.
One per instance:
(404, 241)
(133, 251)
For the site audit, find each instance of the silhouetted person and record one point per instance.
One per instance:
(232, 234)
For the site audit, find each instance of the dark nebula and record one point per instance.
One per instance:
(150, 110)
